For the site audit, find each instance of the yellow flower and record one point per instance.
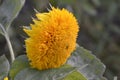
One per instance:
(52, 38)
(6, 78)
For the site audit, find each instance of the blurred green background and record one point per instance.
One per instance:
(99, 22)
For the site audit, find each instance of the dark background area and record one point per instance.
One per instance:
(99, 22)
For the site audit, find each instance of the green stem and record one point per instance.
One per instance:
(8, 42)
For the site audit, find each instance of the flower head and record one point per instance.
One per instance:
(6, 78)
(52, 38)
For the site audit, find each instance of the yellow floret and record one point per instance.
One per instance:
(52, 38)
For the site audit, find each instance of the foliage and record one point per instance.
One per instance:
(92, 67)
(100, 32)
(9, 11)
(99, 24)
(83, 62)
(4, 67)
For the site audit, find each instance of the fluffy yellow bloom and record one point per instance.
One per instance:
(6, 78)
(52, 38)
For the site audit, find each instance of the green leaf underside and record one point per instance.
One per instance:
(21, 70)
(93, 70)
(4, 67)
(9, 9)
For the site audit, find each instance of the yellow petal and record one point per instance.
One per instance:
(52, 38)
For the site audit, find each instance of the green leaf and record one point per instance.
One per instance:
(9, 9)
(75, 75)
(85, 67)
(20, 63)
(50, 74)
(22, 71)
(4, 67)
(94, 68)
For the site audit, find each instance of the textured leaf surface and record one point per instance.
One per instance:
(93, 70)
(20, 63)
(9, 9)
(75, 75)
(22, 71)
(4, 67)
